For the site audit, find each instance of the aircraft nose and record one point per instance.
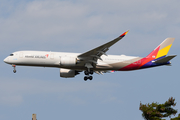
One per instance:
(6, 60)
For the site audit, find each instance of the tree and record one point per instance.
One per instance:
(156, 111)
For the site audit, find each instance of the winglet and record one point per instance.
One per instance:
(124, 34)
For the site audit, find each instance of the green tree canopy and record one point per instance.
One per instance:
(156, 111)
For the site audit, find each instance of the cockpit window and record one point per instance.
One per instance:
(11, 54)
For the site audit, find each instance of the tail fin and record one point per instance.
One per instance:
(156, 58)
(162, 50)
(159, 52)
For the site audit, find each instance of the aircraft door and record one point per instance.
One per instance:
(51, 56)
(21, 55)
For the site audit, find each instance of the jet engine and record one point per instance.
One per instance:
(68, 61)
(68, 73)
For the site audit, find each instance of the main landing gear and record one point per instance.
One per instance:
(14, 66)
(88, 76)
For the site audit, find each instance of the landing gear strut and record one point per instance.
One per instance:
(14, 66)
(88, 76)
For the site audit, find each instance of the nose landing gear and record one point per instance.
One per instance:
(14, 66)
(88, 76)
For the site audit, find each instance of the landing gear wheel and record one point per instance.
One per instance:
(14, 71)
(86, 72)
(85, 78)
(90, 77)
(91, 72)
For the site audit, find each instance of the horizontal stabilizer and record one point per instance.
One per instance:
(165, 59)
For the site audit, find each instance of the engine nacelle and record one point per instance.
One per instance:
(68, 61)
(68, 73)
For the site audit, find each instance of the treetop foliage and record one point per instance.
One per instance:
(156, 111)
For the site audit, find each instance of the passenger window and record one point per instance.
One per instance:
(11, 54)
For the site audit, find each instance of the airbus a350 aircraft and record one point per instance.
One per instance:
(95, 60)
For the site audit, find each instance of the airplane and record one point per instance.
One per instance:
(93, 61)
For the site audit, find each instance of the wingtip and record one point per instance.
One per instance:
(124, 33)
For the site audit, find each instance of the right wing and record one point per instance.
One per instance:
(91, 57)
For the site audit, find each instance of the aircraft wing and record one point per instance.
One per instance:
(93, 55)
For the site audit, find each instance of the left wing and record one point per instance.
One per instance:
(90, 58)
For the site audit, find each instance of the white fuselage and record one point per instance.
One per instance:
(54, 59)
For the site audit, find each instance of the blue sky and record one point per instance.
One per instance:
(78, 26)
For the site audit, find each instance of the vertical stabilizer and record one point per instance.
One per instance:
(162, 49)
(159, 52)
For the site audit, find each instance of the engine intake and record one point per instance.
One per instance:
(68, 73)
